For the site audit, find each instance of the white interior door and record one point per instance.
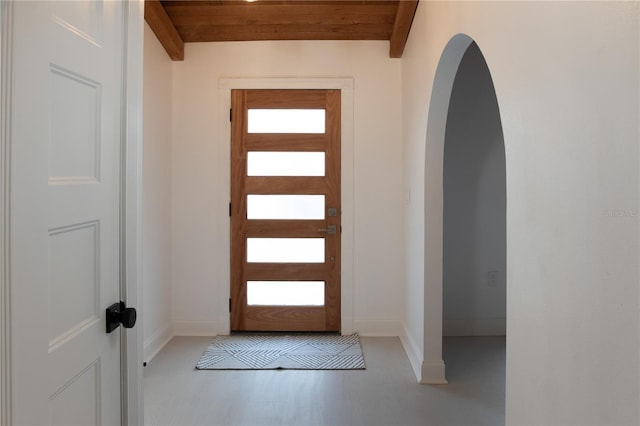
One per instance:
(66, 131)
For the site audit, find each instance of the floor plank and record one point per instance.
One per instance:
(386, 393)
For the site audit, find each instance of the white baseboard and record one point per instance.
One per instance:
(154, 343)
(377, 328)
(433, 372)
(195, 328)
(413, 353)
(474, 327)
(430, 372)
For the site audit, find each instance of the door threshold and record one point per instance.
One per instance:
(284, 333)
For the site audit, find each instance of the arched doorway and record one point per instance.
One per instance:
(449, 67)
(474, 221)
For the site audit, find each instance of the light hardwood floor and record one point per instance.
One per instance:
(386, 393)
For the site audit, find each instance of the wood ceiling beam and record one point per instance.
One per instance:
(163, 28)
(194, 20)
(284, 32)
(401, 27)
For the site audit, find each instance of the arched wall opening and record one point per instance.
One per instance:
(474, 225)
(433, 367)
(474, 206)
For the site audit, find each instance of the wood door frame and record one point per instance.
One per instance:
(131, 214)
(345, 85)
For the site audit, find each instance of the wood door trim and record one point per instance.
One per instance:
(262, 318)
(288, 185)
(285, 228)
(285, 142)
(238, 205)
(286, 99)
(269, 271)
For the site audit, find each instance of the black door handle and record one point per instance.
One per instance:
(117, 314)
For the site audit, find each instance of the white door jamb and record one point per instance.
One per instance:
(131, 215)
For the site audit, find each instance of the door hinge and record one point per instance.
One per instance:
(229, 304)
(229, 209)
(230, 114)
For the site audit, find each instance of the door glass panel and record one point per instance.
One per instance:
(304, 207)
(286, 120)
(285, 250)
(285, 163)
(285, 293)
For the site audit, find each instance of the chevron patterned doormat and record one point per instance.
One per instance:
(291, 352)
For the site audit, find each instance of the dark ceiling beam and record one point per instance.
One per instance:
(401, 27)
(163, 28)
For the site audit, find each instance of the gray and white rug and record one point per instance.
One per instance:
(295, 352)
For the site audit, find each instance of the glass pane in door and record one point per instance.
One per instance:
(285, 293)
(285, 163)
(285, 207)
(286, 120)
(285, 250)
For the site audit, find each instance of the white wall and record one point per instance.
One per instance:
(566, 78)
(201, 174)
(474, 217)
(156, 202)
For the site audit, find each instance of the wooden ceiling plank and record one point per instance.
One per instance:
(401, 27)
(282, 19)
(253, 36)
(266, 3)
(359, 30)
(163, 28)
(257, 8)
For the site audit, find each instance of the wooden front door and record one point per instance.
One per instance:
(285, 210)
